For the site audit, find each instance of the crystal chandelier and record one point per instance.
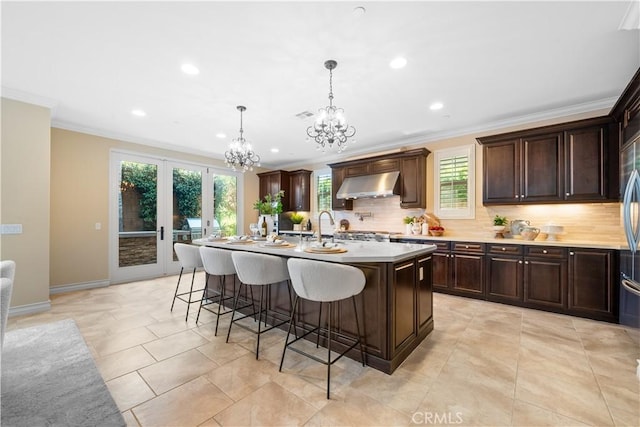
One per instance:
(240, 154)
(331, 126)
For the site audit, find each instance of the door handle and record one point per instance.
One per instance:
(161, 233)
(631, 285)
(633, 186)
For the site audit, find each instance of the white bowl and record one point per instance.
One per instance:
(552, 229)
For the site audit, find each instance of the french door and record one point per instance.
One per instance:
(156, 203)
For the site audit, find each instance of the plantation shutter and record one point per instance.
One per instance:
(323, 185)
(454, 182)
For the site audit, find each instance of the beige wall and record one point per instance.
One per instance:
(80, 199)
(25, 198)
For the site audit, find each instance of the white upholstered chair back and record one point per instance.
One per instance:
(324, 281)
(7, 275)
(188, 255)
(259, 269)
(217, 262)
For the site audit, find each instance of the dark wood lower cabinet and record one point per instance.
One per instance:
(576, 281)
(505, 266)
(593, 288)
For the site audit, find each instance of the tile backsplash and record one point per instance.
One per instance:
(588, 222)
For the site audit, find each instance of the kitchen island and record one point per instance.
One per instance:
(395, 307)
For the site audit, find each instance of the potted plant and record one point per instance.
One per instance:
(297, 219)
(499, 224)
(270, 205)
(408, 222)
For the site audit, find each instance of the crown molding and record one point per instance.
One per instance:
(29, 98)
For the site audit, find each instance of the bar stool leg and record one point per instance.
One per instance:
(193, 278)
(262, 292)
(204, 293)
(223, 280)
(294, 308)
(177, 286)
(233, 311)
(319, 319)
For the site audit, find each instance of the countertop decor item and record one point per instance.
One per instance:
(240, 155)
(331, 126)
(499, 224)
(296, 220)
(529, 233)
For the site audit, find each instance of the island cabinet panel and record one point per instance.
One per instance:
(425, 293)
(505, 269)
(404, 299)
(545, 277)
(592, 285)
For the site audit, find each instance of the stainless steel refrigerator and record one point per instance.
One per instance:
(630, 260)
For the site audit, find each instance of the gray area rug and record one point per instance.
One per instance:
(49, 378)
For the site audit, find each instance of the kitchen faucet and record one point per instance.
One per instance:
(320, 225)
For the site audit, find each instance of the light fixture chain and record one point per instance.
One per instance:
(330, 87)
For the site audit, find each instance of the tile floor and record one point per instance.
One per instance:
(484, 364)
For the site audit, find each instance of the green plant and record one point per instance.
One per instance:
(270, 205)
(499, 220)
(407, 219)
(296, 218)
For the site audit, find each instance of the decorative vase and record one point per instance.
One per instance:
(407, 229)
(499, 229)
(416, 228)
(425, 229)
(297, 227)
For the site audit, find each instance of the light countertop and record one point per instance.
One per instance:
(356, 251)
(517, 241)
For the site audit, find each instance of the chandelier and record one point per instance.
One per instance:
(331, 126)
(240, 154)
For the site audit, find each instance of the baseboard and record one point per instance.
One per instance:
(78, 286)
(37, 307)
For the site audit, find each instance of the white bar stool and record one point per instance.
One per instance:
(324, 282)
(259, 270)
(189, 258)
(217, 262)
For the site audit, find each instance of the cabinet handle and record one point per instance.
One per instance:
(522, 196)
(504, 249)
(567, 194)
(519, 262)
(572, 253)
(517, 196)
(526, 262)
(544, 251)
(466, 246)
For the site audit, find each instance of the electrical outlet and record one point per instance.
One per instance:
(11, 229)
(98, 226)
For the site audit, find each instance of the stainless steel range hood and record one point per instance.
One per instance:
(378, 185)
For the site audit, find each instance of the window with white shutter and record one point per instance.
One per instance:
(454, 182)
(323, 190)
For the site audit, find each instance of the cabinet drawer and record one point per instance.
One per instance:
(442, 246)
(468, 247)
(545, 252)
(505, 249)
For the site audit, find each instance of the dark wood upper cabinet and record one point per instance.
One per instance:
(337, 176)
(413, 180)
(569, 162)
(626, 111)
(273, 181)
(300, 190)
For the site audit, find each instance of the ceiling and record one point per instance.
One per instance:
(491, 64)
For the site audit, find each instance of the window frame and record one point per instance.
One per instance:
(469, 212)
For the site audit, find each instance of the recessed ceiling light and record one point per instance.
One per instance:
(398, 63)
(359, 11)
(221, 135)
(436, 106)
(190, 69)
(275, 150)
(139, 113)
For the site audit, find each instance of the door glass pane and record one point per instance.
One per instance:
(137, 214)
(225, 204)
(187, 206)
